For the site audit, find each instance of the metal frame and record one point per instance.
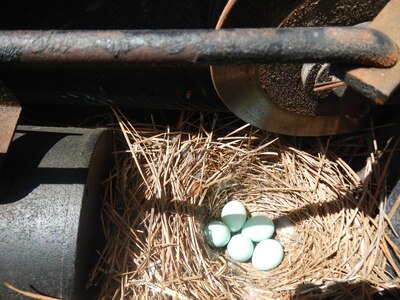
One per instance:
(344, 45)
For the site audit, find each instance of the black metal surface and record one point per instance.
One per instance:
(104, 14)
(188, 88)
(395, 220)
(230, 46)
(157, 88)
(49, 208)
(393, 183)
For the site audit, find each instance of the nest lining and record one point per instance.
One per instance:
(168, 183)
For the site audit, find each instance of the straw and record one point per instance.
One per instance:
(169, 182)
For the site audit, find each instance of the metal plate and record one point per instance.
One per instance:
(9, 115)
(272, 96)
(379, 84)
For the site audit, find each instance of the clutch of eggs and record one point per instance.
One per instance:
(265, 255)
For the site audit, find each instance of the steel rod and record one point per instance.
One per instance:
(348, 45)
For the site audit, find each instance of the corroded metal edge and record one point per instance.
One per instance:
(10, 110)
(379, 84)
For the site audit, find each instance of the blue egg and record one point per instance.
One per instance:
(217, 234)
(240, 248)
(258, 228)
(234, 215)
(267, 255)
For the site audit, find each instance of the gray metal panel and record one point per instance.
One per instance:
(49, 208)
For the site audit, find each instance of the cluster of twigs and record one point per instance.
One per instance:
(171, 181)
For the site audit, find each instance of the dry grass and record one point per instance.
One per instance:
(169, 182)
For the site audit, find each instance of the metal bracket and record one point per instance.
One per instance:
(10, 110)
(379, 84)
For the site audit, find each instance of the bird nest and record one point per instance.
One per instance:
(169, 182)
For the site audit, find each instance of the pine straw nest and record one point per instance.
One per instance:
(170, 182)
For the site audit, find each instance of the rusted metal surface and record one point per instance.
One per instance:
(272, 96)
(9, 115)
(235, 46)
(379, 84)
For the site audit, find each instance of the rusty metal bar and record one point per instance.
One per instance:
(380, 85)
(228, 46)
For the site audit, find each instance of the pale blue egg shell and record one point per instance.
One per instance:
(258, 228)
(234, 215)
(267, 255)
(240, 248)
(217, 234)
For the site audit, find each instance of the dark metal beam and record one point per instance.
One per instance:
(347, 45)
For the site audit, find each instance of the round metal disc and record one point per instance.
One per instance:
(273, 96)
